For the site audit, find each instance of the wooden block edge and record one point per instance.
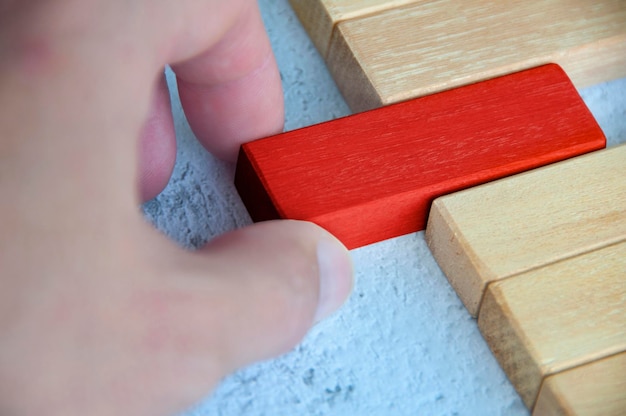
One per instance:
(458, 262)
(349, 75)
(548, 401)
(608, 56)
(504, 338)
(252, 190)
(316, 21)
(514, 349)
(553, 401)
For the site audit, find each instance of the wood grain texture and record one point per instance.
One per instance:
(595, 389)
(419, 49)
(524, 222)
(557, 317)
(372, 176)
(319, 17)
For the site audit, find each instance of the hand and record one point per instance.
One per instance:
(99, 313)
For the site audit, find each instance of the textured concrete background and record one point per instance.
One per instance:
(403, 344)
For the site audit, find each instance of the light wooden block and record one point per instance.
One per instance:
(319, 17)
(524, 222)
(373, 176)
(595, 389)
(557, 317)
(436, 45)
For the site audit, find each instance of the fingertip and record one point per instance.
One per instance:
(283, 276)
(232, 92)
(226, 115)
(336, 277)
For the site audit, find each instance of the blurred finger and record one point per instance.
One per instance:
(232, 92)
(157, 145)
(249, 295)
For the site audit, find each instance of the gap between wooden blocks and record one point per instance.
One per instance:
(540, 257)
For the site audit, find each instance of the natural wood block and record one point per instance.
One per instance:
(524, 222)
(372, 176)
(432, 46)
(319, 17)
(595, 389)
(557, 317)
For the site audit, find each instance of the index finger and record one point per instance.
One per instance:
(231, 93)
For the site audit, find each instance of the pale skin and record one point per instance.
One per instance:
(99, 313)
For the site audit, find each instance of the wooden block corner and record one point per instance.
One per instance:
(319, 17)
(516, 224)
(594, 389)
(463, 268)
(557, 317)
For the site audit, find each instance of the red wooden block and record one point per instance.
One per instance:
(373, 176)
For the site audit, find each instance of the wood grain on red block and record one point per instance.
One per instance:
(372, 176)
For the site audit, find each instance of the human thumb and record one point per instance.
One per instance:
(272, 282)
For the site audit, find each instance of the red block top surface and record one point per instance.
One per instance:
(397, 159)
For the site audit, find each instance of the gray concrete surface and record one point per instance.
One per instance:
(403, 344)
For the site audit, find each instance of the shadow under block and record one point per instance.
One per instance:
(372, 176)
(557, 317)
(595, 389)
(430, 46)
(319, 17)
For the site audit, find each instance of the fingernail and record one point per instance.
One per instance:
(335, 273)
